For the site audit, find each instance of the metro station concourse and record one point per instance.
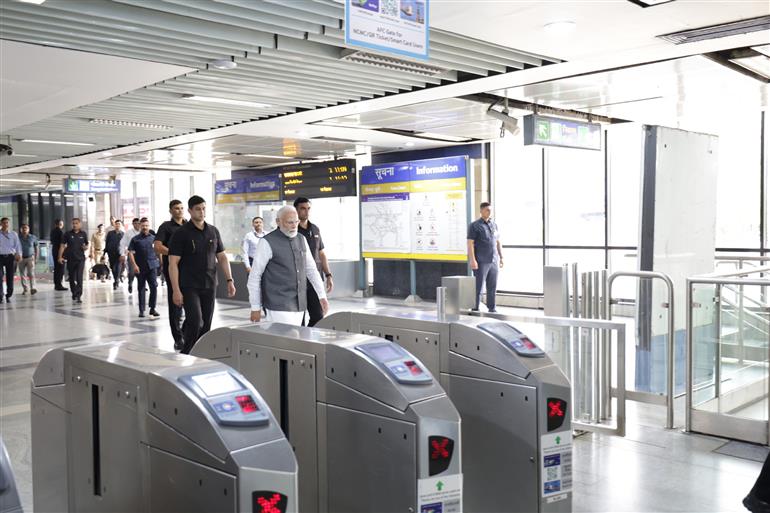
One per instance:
(384, 256)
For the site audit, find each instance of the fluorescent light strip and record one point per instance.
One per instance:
(266, 156)
(226, 101)
(131, 124)
(36, 2)
(42, 141)
(23, 155)
(17, 180)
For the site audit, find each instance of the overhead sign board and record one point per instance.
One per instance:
(567, 133)
(330, 179)
(391, 26)
(77, 185)
(248, 190)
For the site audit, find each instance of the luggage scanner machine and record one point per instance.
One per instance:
(372, 429)
(513, 400)
(119, 427)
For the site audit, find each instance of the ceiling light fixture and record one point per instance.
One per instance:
(17, 180)
(106, 154)
(560, 28)
(409, 144)
(442, 137)
(301, 133)
(130, 124)
(226, 101)
(36, 2)
(266, 156)
(223, 64)
(23, 155)
(391, 63)
(43, 141)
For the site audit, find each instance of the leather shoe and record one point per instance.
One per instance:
(755, 504)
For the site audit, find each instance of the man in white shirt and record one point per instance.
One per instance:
(251, 240)
(124, 242)
(282, 268)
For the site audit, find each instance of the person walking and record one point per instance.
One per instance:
(313, 235)
(131, 232)
(166, 232)
(56, 236)
(97, 246)
(30, 249)
(112, 250)
(73, 251)
(283, 267)
(141, 252)
(250, 241)
(485, 254)
(10, 255)
(196, 249)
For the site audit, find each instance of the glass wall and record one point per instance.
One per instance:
(559, 205)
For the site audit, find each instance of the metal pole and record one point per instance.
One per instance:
(596, 351)
(671, 364)
(606, 362)
(718, 348)
(441, 303)
(688, 357)
(584, 338)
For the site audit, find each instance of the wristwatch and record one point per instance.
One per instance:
(229, 280)
(328, 275)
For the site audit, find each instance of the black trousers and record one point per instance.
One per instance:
(762, 487)
(58, 269)
(7, 268)
(174, 312)
(314, 310)
(75, 269)
(149, 278)
(198, 310)
(114, 267)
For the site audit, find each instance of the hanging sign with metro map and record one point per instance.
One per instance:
(415, 210)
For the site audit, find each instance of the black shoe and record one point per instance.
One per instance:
(7, 299)
(60, 288)
(755, 504)
(141, 314)
(78, 301)
(130, 290)
(493, 311)
(154, 314)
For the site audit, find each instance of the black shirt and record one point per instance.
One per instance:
(165, 231)
(112, 243)
(76, 244)
(56, 237)
(198, 251)
(313, 235)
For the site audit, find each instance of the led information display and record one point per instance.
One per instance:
(331, 179)
(566, 133)
(91, 186)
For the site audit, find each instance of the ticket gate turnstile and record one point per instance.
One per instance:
(513, 400)
(124, 428)
(9, 494)
(372, 429)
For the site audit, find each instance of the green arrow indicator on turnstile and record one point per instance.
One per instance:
(439, 485)
(558, 440)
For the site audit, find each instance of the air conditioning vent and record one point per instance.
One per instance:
(733, 28)
(391, 63)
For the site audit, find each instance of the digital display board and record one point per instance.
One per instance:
(330, 179)
(567, 133)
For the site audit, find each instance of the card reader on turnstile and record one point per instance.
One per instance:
(372, 430)
(121, 427)
(513, 400)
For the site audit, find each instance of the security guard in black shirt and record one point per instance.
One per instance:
(162, 243)
(195, 250)
(73, 250)
(314, 241)
(58, 269)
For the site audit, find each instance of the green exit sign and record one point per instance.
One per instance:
(566, 133)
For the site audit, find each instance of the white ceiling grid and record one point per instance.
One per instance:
(288, 56)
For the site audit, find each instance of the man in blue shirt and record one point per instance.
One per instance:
(145, 264)
(485, 254)
(10, 255)
(29, 252)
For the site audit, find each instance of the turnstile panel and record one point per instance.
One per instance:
(422, 344)
(511, 476)
(394, 360)
(228, 400)
(292, 402)
(362, 460)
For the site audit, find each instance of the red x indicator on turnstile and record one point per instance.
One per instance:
(269, 502)
(555, 409)
(557, 412)
(441, 449)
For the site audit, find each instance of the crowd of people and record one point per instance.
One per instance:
(288, 271)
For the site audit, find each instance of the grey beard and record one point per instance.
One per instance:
(289, 233)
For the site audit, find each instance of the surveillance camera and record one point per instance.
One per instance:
(510, 123)
(6, 150)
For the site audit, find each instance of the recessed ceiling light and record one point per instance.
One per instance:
(266, 156)
(301, 133)
(17, 180)
(560, 28)
(36, 2)
(23, 155)
(223, 64)
(226, 101)
(130, 124)
(409, 144)
(43, 141)
(106, 154)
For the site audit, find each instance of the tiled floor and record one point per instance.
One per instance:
(651, 469)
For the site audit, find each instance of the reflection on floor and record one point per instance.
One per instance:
(651, 469)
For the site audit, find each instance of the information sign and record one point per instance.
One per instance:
(567, 133)
(415, 210)
(392, 26)
(77, 185)
(248, 190)
(330, 179)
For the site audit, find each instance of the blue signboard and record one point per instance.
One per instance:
(77, 185)
(248, 190)
(391, 26)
